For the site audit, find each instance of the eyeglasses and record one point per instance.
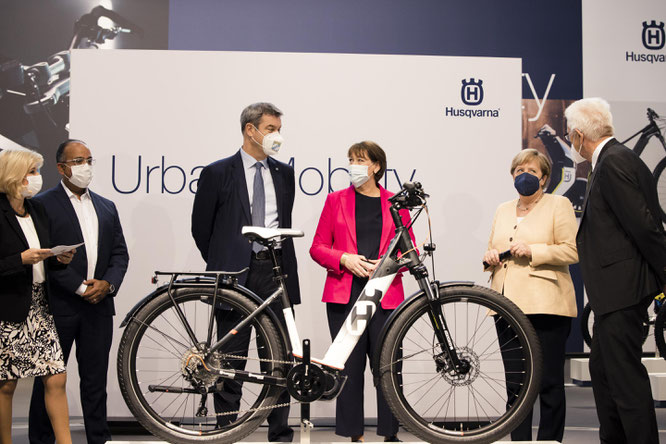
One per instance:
(80, 161)
(567, 136)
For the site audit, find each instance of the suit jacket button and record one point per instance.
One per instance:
(510, 239)
(504, 265)
(515, 226)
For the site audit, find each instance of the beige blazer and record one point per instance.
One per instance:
(541, 285)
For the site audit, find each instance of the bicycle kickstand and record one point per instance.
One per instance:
(306, 425)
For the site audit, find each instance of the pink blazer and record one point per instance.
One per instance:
(336, 234)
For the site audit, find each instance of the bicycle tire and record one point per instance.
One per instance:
(587, 323)
(154, 330)
(659, 332)
(472, 315)
(585, 326)
(660, 183)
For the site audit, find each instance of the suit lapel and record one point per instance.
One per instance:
(67, 207)
(348, 204)
(40, 227)
(241, 185)
(10, 215)
(387, 221)
(278, 185)
(101, 246)
(590, 180)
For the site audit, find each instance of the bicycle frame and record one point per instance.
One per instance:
(356, 322)
(650, 130)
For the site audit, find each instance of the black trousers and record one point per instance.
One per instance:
(93, 335)
(349, 417)
(552, 331)
(620, 382)
(259, 280)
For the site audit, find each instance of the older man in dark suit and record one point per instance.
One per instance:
(248, 188)
(622, 250)
(82, 295)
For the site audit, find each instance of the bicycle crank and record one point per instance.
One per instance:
(306, 382)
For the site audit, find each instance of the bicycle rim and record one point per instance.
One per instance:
(481, 406)
(157, 351)
(660, 182)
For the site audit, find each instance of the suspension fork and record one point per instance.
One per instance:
(431, 290)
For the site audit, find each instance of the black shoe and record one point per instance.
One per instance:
(393, 438)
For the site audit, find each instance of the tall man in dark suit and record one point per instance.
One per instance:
(81, 297)
(248, 188)
(622, 250)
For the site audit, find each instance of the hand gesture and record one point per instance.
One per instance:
(358, 264)
(96, 291)
(33, 256)
(492, 257)
(66, 257)
(521, 249)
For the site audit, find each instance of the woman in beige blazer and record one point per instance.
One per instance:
(539, 230)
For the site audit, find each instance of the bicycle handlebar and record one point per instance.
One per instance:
(410, 196)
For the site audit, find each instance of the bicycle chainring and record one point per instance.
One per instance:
(306, 383)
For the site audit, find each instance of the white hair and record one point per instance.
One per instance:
(590, 116)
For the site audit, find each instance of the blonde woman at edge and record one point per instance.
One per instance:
(29, 345)
(539, 230)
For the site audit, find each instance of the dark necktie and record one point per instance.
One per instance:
(258, 202)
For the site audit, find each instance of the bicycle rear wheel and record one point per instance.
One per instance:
(587, 326)
(659, 338)
(483, 405)
(660, 181)
(163, 379)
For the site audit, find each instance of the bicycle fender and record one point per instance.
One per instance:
(164, 288)
(402, 307)
(130, 314)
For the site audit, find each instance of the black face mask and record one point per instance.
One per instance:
(526, 184)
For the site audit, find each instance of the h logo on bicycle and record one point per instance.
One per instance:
(361, 314)
(653, 35)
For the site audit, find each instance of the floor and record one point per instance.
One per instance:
(582, 425)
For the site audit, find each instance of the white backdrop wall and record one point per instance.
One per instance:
(153, 118)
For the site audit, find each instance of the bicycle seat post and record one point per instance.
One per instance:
(278, 275)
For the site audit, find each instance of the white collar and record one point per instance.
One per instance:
(597, 151)
(86, 194)
(249, 161)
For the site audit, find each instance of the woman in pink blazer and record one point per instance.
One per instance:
(354, 231)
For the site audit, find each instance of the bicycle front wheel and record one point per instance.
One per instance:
(167, 385)
(487, 402)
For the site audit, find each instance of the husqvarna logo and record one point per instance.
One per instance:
(471, 92)
(361, 314)
(653, 35)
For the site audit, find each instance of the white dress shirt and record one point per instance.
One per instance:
(597, 151)
(30, 233)
(271, 218)
(85, 213)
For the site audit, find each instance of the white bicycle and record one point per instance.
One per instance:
(457, 362)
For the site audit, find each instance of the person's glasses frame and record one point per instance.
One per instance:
(80, 161)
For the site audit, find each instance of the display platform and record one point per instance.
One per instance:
(656, 367)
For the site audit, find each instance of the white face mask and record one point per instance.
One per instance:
(81, 175)
(272, 142)
(33, 187)
(358, 174)
(575, 153)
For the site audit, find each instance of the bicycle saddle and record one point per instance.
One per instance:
(263, 233)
